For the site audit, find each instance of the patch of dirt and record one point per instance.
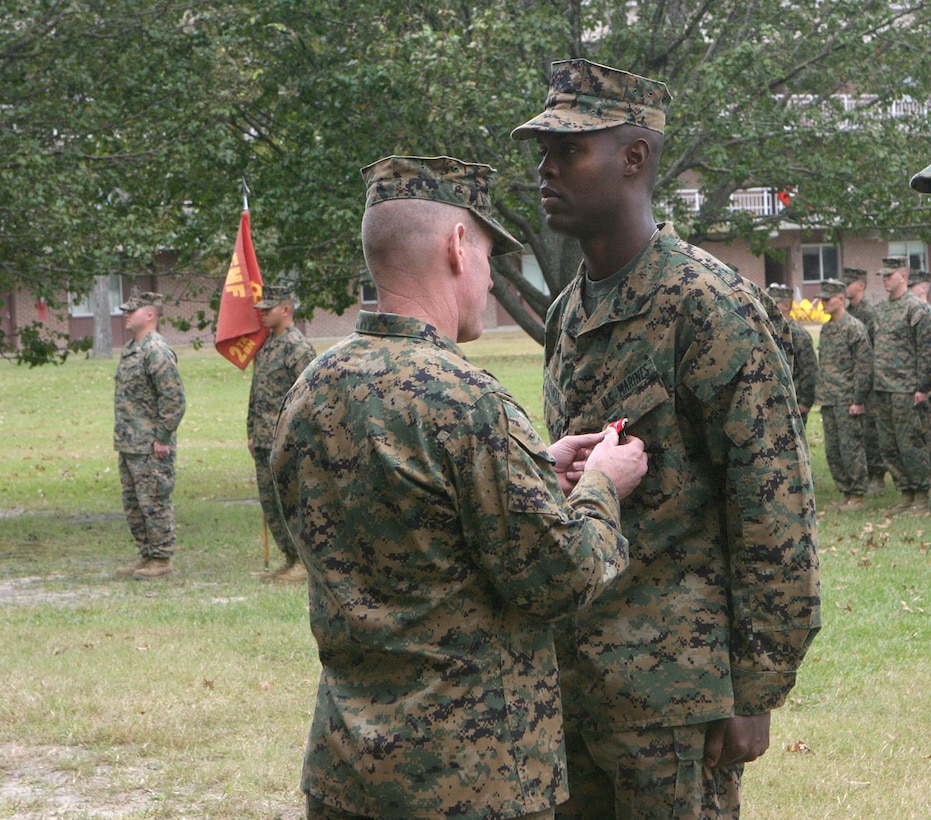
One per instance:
(50, 781)
(30, 590)
(59, 782)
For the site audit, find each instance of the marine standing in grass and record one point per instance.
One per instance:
(901, 384)
(148, 407)
(669, 677)
(277, 364)
(438, 537)
(859, 308)
(804, 360)
(845, 381)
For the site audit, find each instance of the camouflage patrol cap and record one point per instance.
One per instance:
(779, 291)
(438, 179)
(831, 287)
(139, 298)
(891, 264)
(921, 182)
(917, 277)
(586, 96)
(851, 275)
(274, 295)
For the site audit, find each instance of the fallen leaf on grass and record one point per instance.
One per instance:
(848, 606)
(799, 746)
(207, 684)
(267, 684)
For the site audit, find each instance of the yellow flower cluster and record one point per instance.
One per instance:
(805, 311)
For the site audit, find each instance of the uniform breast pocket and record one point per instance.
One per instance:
(645, 401)
(634, 397)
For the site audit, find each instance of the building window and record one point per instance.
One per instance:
(81, 305)
(369, 293)
(819, 262)
(917, 253)
(531, 271)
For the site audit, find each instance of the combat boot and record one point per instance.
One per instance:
(156, 568)
(919, 503)
(906, 499)
(140, 564)
(295, 575)
(855, 503)
(877, 486)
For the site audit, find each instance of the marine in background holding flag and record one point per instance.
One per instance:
(276, 367)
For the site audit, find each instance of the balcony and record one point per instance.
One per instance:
(759, 201)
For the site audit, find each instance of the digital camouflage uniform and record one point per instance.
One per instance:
(866, 313)
(148, 407)
(804, 366)
(845, 377)
(902, 367)
(438, 542)
(721, 599)
(801, 348)
(277, 364)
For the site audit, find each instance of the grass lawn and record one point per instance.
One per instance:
(190, 697)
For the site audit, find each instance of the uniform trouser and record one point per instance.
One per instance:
(647, 774)
(902, 440)
(147, 484)
(269, 501)
(321, 811)
(874, 457)
(844, 448)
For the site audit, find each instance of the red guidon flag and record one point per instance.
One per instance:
(239, 328)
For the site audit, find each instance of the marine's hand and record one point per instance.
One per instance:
(160, 450)
(737, 739)
(571, 453)
(624, 464)
(250, 444)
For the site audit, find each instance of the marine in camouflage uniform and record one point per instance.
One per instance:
(804, 361)
(845, 381)
(276, 366)
(902, 382)
(148, 407)
(859, 308)
(436, 534)
(704, 634)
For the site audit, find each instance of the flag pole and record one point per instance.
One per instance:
(265, 539)
(244, 188)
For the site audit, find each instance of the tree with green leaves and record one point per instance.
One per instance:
(125, 126)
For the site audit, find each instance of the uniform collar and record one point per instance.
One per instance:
(632, 296)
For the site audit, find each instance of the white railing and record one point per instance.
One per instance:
(877, 109)
(759, 201)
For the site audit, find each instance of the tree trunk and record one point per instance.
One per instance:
(100, 305)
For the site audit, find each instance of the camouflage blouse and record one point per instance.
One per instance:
(721, 599)
(149, 396)
(438, 544)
